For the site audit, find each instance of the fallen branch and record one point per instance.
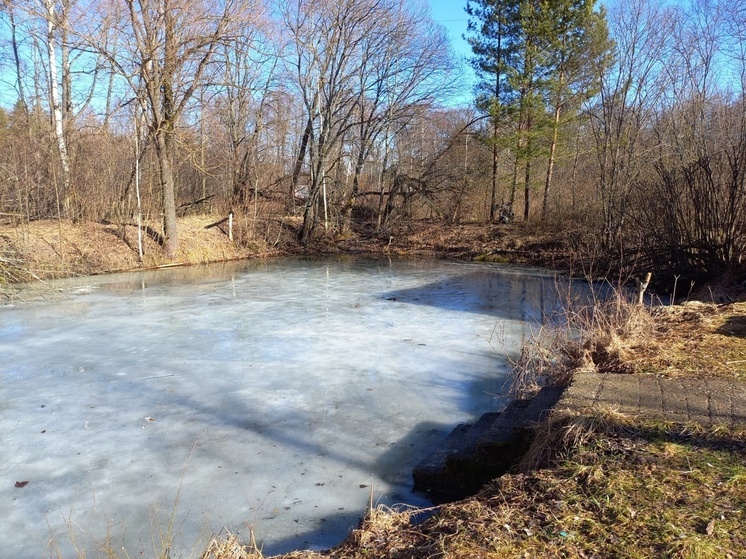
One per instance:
(217, 223)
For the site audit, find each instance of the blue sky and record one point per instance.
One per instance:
(449, 13)
(452, 15)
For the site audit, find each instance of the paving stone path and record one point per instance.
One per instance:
(705, 401)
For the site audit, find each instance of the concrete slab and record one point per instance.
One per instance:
(701, 400)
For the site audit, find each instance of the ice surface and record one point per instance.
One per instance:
(272, 394)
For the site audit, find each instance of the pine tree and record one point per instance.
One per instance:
(577, 42)
(534, 60)
(494, 28)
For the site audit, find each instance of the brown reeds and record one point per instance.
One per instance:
(595, 335)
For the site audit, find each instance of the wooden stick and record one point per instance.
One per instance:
(642, 286)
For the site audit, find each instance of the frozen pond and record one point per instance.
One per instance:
(272, 394)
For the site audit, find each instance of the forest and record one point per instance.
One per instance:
(624, 124)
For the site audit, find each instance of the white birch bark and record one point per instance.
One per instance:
(56, 104)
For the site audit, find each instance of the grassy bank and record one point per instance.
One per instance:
(615, 488)
(47, 248)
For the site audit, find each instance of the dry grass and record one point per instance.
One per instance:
(597, 336)
(695, 338)
(535, 244)
(227, 546)
(50, 249)
(565, 431)
(614, 335)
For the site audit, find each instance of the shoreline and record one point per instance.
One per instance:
(52, 249)
(677, 341)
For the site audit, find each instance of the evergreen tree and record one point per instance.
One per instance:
(527, 77)
(577, 43)
(535, 61)
(494, 28)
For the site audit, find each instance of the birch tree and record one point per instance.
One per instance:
(56, 17)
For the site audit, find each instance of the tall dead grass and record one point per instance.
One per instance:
(593, 333)
(228, 546)
(565, 431)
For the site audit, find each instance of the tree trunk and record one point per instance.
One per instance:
(299, 163)
(67, 86)
(527, 182)
(56, 106)
(495, 130)
(309, 215)
(514, 180)
(396, 187)
(347, 213)
(17, 62)
(550, 164)
(381, 181)
(170, 229)
(309, 212)
(493, 196)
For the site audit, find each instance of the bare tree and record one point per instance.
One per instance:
(629, 91)
(406, 69)
(164, 51)
(7, 7)
(325, 62)
(249, 64)
(695, 202)
(357, 64)
(55, 19)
